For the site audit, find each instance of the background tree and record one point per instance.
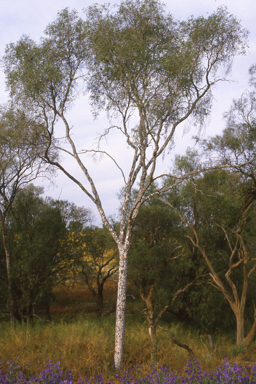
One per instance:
(159, 266)
(76, 218)
(95, 256)
(236, 146)
(141, 65)
(38, 238)
(35, 232)
(202, 201)
(21, 149)
(221, 230)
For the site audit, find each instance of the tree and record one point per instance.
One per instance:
(159, 264)
(38, 237)
(204, 200)
(237, 145)
(221, 228)
(140, 65)
(36, 231)
(95, 256)
(21, 143)
(76, 218)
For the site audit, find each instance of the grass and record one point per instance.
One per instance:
(84, 343)
(83, 347)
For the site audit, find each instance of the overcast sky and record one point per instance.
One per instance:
(31, 17)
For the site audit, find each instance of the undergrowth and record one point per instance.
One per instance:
(83, 343)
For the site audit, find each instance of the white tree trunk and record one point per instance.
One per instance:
(120, 310)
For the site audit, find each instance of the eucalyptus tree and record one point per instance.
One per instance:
(21, 143)
(236, 147)
(144, 68)
(222, 228)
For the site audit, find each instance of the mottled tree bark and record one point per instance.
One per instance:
(120, 311)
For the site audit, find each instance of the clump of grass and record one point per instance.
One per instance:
(83, 347)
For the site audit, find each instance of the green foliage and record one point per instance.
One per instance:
(157, 239)
(21, 147)
(136, 58)
(47, 72)
(211, 203)
(36, 232)
(141, 58)
(76, 218)
(237, 144)
(208, 202)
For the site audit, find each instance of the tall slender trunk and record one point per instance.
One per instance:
(8, 269)
(120, 309)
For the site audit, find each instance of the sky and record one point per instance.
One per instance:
(30, 17)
